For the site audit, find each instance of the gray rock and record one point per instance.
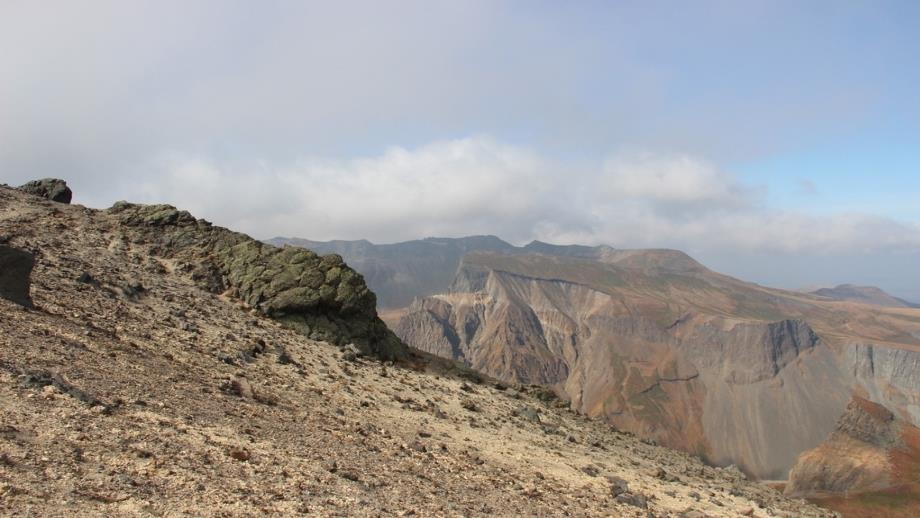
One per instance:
(15, 271)
(633, 499)
(618, 486)
(53, 189)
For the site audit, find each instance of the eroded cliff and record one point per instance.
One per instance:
(662, 347)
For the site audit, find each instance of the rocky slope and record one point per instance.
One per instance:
(865, 295)
(659, 345)
(856, 457)
(871, 454)
(136, 387)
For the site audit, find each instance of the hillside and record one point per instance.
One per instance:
(157, 369)
(867, 467)
(864, 294)
(659, 345)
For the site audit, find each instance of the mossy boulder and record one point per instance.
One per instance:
(319, 296)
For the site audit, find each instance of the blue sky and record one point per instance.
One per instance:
(749, 133)
(881, 177)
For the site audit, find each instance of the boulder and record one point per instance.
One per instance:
(319, 296)
(51, 188)
(15, 269)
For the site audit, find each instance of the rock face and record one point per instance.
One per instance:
(889, 376)
(320, 296)
(869, 450)
(658, 345)
(50, 188)
(15, 271)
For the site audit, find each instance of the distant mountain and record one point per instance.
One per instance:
(400, 272)
(864, 294)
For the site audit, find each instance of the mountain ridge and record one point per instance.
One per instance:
(674, 354)
(864, 294)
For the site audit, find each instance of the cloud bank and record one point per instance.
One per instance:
(481, 185)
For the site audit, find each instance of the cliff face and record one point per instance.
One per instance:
(663, 348)
(888, 376)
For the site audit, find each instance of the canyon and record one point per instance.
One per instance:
(656, 344)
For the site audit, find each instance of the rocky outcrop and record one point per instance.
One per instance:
(320, 296)
(50, 188)
(15, 271)
(859, 455)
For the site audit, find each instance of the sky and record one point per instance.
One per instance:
(778, 141)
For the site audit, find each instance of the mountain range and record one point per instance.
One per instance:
(659, 345)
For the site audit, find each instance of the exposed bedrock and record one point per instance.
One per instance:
(749, 393)
(52, 189)
(318, 295)
(15, 272)
(887, 376)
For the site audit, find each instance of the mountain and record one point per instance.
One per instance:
(399, 272)
(659, 345)
(865, 295)
(154, 364)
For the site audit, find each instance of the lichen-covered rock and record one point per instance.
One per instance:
(15, 269)
(319, 296)
(53, 189)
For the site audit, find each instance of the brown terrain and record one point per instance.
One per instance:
(869, 466)
(155, 365)
(655, 343)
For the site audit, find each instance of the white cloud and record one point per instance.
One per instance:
(480, 185)
(673, 180)
(472, 185)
